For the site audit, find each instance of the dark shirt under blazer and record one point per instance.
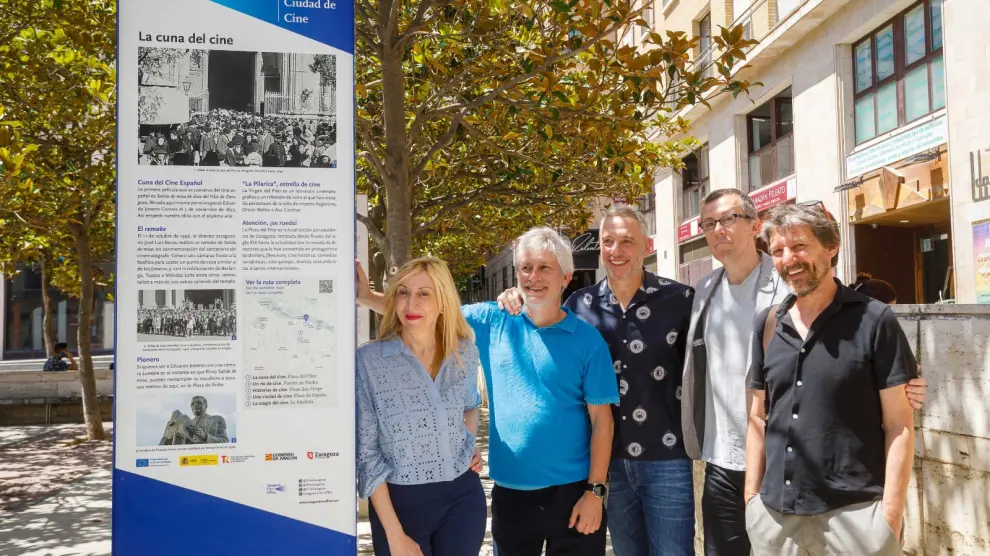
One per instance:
(647, 343)
(825, 444)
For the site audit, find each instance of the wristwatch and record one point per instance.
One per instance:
(598, 489)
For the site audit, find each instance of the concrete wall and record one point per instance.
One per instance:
(37, 397)
(949, 501)
(36, 385)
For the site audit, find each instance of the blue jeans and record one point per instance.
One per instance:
(651, 507)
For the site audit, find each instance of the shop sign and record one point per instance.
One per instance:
(774, 194)
(981, 259)
(981, 182)
(688, 229)
(898, 147)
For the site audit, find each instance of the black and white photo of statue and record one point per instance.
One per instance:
(201, 428)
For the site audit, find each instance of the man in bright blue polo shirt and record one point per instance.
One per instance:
(550, 385)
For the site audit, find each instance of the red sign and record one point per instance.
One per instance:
(688, 230)
(773, 194)
(650, 246)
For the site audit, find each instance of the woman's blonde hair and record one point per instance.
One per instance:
(451, 326)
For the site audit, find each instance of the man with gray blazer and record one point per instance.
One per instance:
(715, 398)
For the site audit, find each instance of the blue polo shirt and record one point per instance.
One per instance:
(540, 381)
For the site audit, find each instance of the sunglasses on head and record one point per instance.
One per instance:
(817, 205)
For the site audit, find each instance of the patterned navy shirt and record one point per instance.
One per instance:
(56, 363)
(647, 342)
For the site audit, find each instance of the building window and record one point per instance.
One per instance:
(160, 298)
(695, 177)
(899, 74)
(647, 204)
(771, 141)
(706, 46)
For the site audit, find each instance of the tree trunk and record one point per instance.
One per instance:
(91, 410)
(48, 312)
(398, 198)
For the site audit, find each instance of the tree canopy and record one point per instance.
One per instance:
(479, 118)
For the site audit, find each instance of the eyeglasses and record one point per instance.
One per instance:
(726, 221)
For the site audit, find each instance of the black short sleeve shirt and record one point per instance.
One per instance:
(825, 444)
(647, 342)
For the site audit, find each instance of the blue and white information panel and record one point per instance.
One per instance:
(234, 402)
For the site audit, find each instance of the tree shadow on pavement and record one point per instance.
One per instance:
(37, 467)
(73, 522)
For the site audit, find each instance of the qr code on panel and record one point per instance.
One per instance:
(326, 286)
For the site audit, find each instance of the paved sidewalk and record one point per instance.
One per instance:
(74, 522)
(9, 435)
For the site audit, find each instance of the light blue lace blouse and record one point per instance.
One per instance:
(411, 428)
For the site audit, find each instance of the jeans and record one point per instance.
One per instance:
(724, 512)
(651, 507)
(444, 519)
(523, 520)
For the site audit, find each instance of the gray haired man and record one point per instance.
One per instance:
(714, 405)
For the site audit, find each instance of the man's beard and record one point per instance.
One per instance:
(812, 280)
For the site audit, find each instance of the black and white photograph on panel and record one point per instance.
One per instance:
(223, 108)
(186, 315)
(186, 417)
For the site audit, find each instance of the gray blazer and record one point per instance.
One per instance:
(770, 290)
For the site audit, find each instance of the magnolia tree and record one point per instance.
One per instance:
(57, 133)
(479, 118)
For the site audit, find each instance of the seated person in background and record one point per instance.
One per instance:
(57, 361)
(880, 290)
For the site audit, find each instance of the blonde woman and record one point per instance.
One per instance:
(418, 404)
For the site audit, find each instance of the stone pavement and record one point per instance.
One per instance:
(54, 492)
(67, 512)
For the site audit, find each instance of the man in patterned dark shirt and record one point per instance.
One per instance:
(57, 362)
(644, 319)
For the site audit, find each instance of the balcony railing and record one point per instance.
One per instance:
(758, 21)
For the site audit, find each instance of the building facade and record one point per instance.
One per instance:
(857, 107)
(22, 314)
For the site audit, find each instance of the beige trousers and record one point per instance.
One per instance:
(856, 530)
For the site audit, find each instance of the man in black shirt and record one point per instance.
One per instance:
(831, 434)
